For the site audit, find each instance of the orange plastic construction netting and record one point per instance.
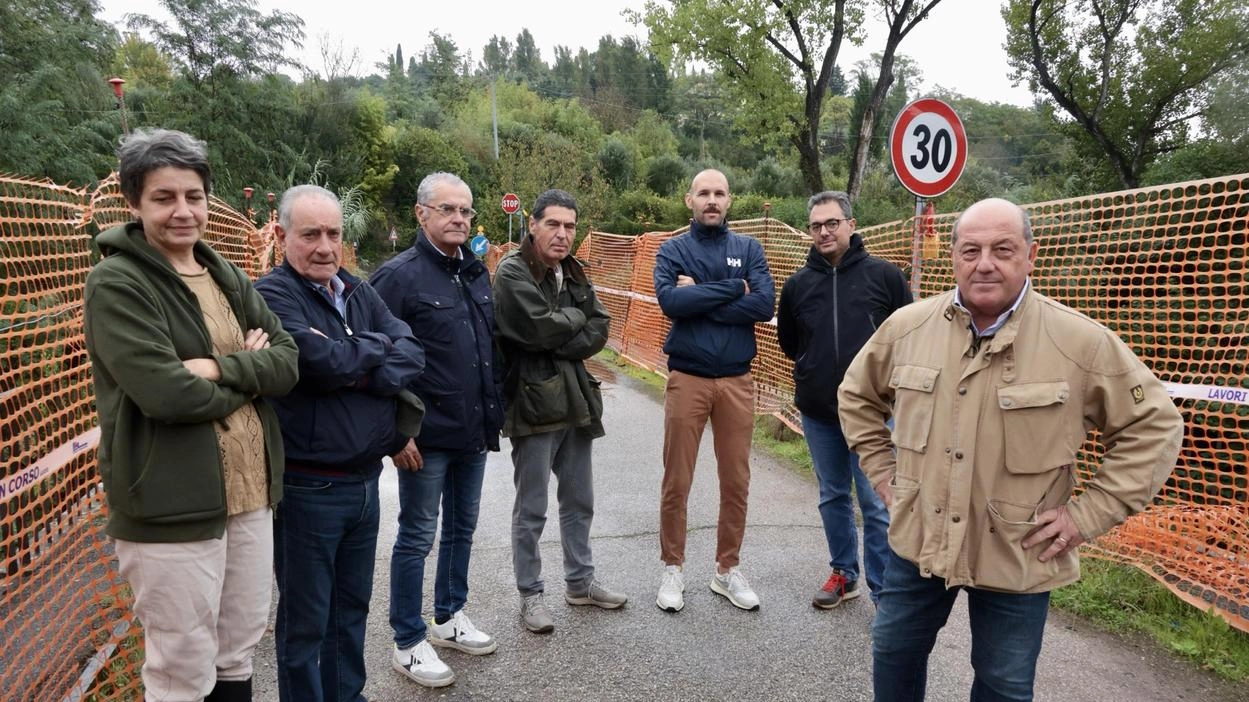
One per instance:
(1164, 267)
(64, 609)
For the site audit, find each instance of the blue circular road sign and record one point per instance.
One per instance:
(480, 245)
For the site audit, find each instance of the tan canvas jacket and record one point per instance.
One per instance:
(986, 438)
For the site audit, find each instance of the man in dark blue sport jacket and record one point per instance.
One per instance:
(714, 285)
(443, 292)
(355, 359)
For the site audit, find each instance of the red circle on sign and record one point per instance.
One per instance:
(926, 109)
(511, 203)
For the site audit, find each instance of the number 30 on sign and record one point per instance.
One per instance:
(928, 147)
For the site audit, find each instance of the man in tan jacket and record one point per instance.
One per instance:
(993, 388)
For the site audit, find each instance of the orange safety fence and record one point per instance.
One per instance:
(66, 629)
(1164, 267)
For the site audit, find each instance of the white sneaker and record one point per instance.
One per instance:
(733, 585)
(671, 589)
(459, 633)
(422, 665)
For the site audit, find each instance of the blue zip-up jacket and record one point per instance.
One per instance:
(826, 315)
(713, 321)
(340, 418)
(448, 303)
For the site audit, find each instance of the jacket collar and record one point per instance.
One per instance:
(349, 280)
(1005, 335)
(702, 231)
(529, 254)
(129, 240)
(467, 264)
(854, 253)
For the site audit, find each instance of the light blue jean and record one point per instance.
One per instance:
(1006, 631)
(453, 478)
(836, 471)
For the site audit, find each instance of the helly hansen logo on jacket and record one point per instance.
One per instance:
(733, 262)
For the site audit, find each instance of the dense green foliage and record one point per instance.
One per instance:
(1131, 76)
(623, 126)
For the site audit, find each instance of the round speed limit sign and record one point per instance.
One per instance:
(928, 147)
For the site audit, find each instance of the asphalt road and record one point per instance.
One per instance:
(710, 650)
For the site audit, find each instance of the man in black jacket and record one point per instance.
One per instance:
(443, 292)
(355, 359)
(828, 310)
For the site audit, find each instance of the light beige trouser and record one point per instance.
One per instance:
(203, 605)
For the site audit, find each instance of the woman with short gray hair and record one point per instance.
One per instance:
(183, 352)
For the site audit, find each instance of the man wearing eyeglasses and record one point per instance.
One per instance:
(828, 310)
(443, 292)
(549, 322)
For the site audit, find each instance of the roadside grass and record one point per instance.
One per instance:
(1116, 597)
(1121, 598)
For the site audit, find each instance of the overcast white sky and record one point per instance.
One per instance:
(959, 47)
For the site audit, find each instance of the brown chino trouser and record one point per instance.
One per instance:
(689, 402)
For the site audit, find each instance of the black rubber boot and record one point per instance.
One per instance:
(231, 691)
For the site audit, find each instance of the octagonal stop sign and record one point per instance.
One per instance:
(511, 203)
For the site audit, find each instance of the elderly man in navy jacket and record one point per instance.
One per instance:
(714, 285)
(442, 291)
(355, 359)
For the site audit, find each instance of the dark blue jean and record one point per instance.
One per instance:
(1006, 631)
(454, 478)
(835, 467)
(325, 538)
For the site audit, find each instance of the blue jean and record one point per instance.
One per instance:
(1006, 631)
(455, 478)
(325, 538)
(835, 467)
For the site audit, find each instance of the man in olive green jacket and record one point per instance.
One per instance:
(993, 388)
(548, 322)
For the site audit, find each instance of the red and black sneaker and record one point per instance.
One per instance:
(836, 589)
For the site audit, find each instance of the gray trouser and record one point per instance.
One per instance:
(566, 453)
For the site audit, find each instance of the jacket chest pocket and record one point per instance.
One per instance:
(433, 317)
(914, 393)
(1035, 429)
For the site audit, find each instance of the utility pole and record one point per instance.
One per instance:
(494, 115)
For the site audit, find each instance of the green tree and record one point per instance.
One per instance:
(440, 71)
(56, 116)
(213, 39)
(905, 73)
(496, 57)
(779, 59)
(418, 151)
(665, 174)
(142, 64)
(616, 161)
(1132, 75)
(527, 62)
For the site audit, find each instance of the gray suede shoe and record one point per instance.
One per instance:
(536, 616)
(598, 595)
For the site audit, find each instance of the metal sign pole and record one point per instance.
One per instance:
(917, 246)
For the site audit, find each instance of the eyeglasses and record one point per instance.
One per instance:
(449, 210)
(831, 225)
